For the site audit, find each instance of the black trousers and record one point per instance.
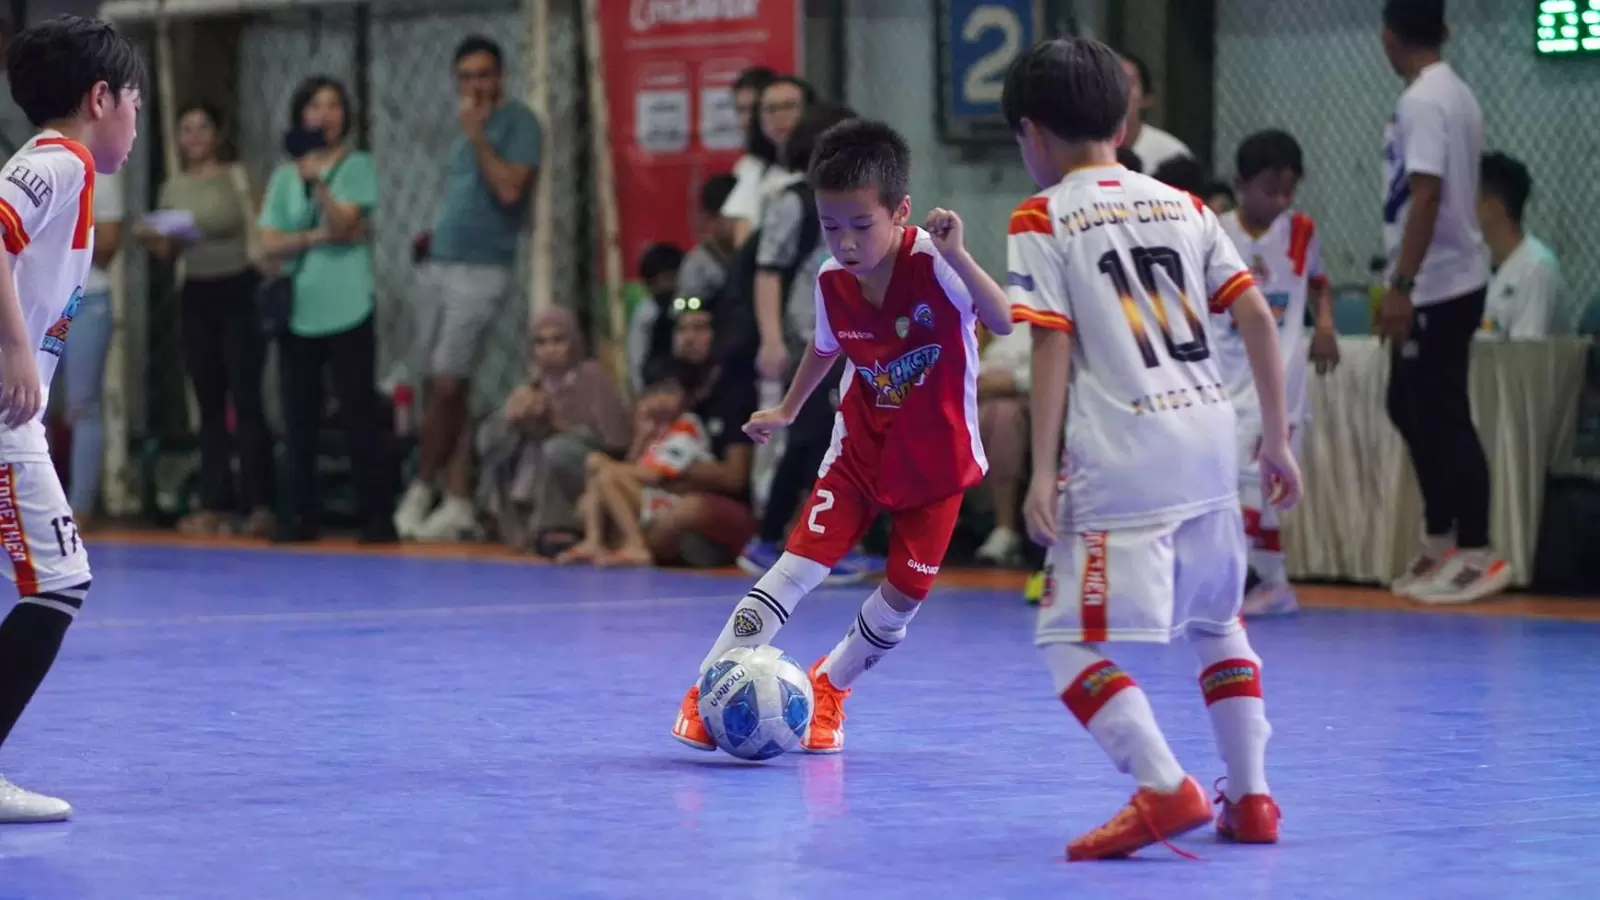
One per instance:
(808, 439)
(1428, 403)
(348, 360)
(225, 351)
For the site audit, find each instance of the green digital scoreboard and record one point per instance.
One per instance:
(1567, 28)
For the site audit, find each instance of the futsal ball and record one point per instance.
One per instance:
(756, 702)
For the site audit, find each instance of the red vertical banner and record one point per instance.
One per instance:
(669, 72)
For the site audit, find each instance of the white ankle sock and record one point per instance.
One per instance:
(768, 605)
(878, 629)
(1230, 679)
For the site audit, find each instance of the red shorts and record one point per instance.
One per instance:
(838, 514)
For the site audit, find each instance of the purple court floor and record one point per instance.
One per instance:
(243, 724)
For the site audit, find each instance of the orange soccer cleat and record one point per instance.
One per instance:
(826, 733)
(688, 728)
(1252, 819)
(1150, 817)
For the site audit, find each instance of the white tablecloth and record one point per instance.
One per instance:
(1362, 514)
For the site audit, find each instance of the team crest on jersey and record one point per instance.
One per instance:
(923, 315)
(1259, 270)
(890, 384)
(55, 339)
(902, 326)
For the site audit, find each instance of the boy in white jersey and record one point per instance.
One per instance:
(1285, 258)
(1147, 543)
(78, 82)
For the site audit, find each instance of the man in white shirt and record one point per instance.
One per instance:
(1438, 271)
(1521, 304)
(1152, 145)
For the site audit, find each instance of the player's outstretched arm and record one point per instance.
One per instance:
(988, 298)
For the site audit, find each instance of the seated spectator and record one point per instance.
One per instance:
(1004, 375)
(710, 518)
(1522, 298)
(1184, 173)
(649, 342)
(533, 449)
(1219, 196)
(619, 497)
(705, 267)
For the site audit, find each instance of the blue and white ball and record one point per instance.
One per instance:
(756, 702)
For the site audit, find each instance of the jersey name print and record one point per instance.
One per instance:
(906, 433)
(1130, 268)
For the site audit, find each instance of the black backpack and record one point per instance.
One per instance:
(736, 301)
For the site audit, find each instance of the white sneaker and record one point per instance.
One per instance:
(18, 806)
(1000, 547)
(413, 510)
(454, 520)
(1269, 600)
(1464, 578)
(1422, 569)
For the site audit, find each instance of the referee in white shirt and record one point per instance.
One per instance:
(1438, 271)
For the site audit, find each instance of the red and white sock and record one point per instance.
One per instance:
(1230, 679)
(1113, 709)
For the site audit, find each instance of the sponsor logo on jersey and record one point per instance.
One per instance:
(890, 384)
(55, 339)
(856, 335)
(30, 184)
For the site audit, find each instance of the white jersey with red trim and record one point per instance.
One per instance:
(906, 433)
(1119, 261)
(47, 216)
(1286, 263)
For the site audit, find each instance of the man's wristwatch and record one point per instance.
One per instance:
(1405, 284)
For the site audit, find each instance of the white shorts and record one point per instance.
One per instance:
(42, 550)
(1250, 497)
(1145, 584)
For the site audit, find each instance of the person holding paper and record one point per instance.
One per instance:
(223, 345)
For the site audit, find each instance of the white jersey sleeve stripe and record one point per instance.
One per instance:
(1230, 291)
(16, 237)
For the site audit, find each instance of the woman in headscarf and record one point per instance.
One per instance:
(533, 449)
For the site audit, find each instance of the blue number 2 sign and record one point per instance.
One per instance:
(977, 41)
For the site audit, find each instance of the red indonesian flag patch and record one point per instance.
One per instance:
(1110, 185)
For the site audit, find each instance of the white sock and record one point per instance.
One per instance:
(1230, 679)
(878, 629)
(768, 605)
(1108, 703)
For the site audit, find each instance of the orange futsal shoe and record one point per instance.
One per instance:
(1252, 820)
(688, 728)
(826, 732)
(1150, 817)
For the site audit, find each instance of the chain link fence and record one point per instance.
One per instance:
(1316, 68)
(407, 82)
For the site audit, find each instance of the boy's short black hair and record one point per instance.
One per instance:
(53, 65)
(1129, 160)
(477, 43)
(1074, 88)
(714, 193)
(754, 78)
(1417, 23)
(659, 259)
(1184, 173)
(1271, 150)
(1507, 180)
(862, 153)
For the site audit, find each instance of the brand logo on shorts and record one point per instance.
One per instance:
(747, 623)
(924, 568)
(1094, 588)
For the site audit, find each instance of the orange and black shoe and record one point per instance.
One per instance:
(1150, 817)
(688, 728)
(1252, 819)
(826, 732)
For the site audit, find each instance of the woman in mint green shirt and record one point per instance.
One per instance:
(316, 221)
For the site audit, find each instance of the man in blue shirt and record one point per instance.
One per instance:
(488, 179)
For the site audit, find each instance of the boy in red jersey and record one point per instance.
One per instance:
(1135, 482)
(901, 303)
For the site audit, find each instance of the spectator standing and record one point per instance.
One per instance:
(84, 362)
(223, 345)
(1004, 376)
(488, 178)
(779, 106)
(752, 166)
(1152, 145)
(1438, 271)
(1522, 300)
(316, 221)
